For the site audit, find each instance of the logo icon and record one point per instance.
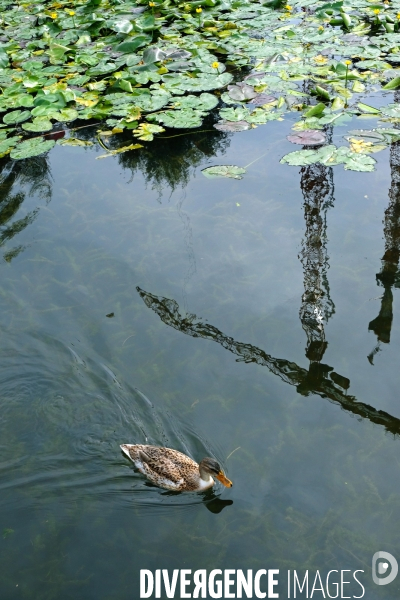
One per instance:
(381, 561)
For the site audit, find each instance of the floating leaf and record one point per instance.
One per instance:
(146, 131)
(315, 110)
(261, 99)
(308, 137)
(224, 171)
(38, 124)
(232, 125)
(7, 145)
(120, 150)
(331, 156)
(366, 108)
(186, 118)
(132, 44)
(32, 147)
(392, 110)
(74, 142)
(122, 26)
(66, 114)
(360, 162)
(241, 91)
(204, 102)
(234, 114)
(16, 116)
(301, 158)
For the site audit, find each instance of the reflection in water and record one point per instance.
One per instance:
(317, 306)
(320, 379)
(389, 275)
(33, 173)
(171, 162)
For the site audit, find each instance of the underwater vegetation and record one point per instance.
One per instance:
(145, 67)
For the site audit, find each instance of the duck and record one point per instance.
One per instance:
(173, 470)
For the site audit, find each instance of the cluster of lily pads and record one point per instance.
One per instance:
(146, 66)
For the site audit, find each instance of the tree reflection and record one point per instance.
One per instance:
(170, 160)
(319, 379)
(316, 306)
(32, 176)
(389, 275)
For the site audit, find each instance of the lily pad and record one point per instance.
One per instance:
(38, 124)
(391, 110)
(204, 102)
(146, 131)
(32, 147)
(7, 144)
(16, 116)
(232, 125)
(241, 91)
(331, 156)
(186, 118)
(308, 137)
(261, 99)
(231, 171)
(74, 142)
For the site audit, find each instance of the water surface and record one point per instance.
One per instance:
(255, 321)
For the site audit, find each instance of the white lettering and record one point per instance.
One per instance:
(146, 580)
(200, 580)
(158, 583)
(359, 583)
(215, 591)
(305, 583)
(244, 584)
(317, 589)
(170, 587)
(343, 582)
(257, 591)
(334, 584)
(185, 582)
(272, 583)
(228, 582)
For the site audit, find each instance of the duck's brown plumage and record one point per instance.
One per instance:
(170, 468)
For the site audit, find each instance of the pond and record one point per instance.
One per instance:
(255, 321)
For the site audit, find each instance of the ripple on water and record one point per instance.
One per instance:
(65, 418)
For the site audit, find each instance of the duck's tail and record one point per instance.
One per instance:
(125, 449)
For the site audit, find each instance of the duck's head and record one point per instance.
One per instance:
(209, 466)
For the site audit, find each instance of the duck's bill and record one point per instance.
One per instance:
(224, 480)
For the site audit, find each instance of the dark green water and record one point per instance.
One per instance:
(221, 353)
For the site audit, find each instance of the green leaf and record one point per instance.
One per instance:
(131, 45)
(6, 145)
(204, 102)
(391, 110)
(16, 116)
(66, 114)
(57, 51)
(359, 162)
(3, 59)
(38, 124)
(32, 147)
(186, 118)
(301, 158)
(224, 171)
(337, 104)
(331, 156)
(122, 26)
(322, 92)
(146, 131)
(368, 109)
(74, 142)
(120, 150)
(315, 110)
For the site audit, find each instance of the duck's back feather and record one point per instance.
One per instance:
(166, 467)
